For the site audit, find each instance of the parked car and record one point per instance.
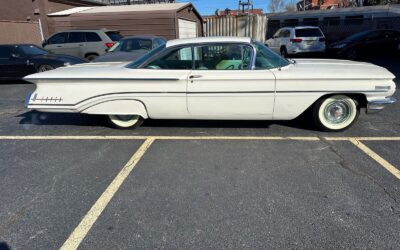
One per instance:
(216, 78)
(367, 43)
(19, 60)
(130, 48)
(85, 44)
(296, 40)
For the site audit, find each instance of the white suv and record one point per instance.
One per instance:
(295, 40)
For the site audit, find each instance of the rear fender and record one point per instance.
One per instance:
(117, 107)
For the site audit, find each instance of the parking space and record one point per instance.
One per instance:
(69, 180)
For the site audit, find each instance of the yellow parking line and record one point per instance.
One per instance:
(159, 138)
(389, 167)
(76, 237)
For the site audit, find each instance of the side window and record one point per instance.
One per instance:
(284, 33)
(5, 52)
(58, 38)
(176, 59)
(375, 36)
(92, 37)
(76, 37)
(266, 59)
(277, 33)
(222, 57)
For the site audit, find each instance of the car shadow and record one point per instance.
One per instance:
(73, 119)
(39, 118)
(4, 246)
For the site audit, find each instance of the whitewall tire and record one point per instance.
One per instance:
(335, 113)
(125, 121)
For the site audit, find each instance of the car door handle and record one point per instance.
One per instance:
(195, 76)
(59, 46)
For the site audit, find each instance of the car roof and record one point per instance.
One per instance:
(142, 36)
(86, 30)
(200, 40)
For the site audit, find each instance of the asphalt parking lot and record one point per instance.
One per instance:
(68, 180)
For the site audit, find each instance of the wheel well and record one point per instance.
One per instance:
(360, 98)
(91, 54)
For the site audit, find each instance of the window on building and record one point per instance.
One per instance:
(332, 21)
(354, 20)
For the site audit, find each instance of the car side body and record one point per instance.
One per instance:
(298, 40)
(130, 48)
(85, 44)
(198, 79)
(20, 60)
(366, 44)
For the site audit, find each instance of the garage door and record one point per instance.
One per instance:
(187, 29)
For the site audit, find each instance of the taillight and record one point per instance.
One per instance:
(322, 39)
(296, 40)
(109, 45)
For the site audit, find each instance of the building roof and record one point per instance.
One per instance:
(199, 40)
(123, 8)
(395, 8)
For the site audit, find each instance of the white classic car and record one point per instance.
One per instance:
(215, 78)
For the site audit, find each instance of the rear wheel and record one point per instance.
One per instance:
(125, 121)
(335, 113)
(91, 57)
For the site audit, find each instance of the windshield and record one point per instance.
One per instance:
(314, 32)
(32, 50)
(267, 59)
(135, 64)
(134, 44)
(357, 36)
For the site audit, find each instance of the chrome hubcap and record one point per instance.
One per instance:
(337, 112)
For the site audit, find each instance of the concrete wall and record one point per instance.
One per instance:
(19, 32)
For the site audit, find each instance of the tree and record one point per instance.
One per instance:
(290, 6)
(275, 6)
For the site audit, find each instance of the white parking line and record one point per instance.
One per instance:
(389, 167)
(80, 232)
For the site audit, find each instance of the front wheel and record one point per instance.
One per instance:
(125, 121)
(335, 113)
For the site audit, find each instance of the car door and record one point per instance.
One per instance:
(56, 43)
(6, 70)
(223, 84)
(76, 44)
(168, 75)
(274, 43)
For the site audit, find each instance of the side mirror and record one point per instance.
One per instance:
(275, 37)
(44, 43)
(15, 56)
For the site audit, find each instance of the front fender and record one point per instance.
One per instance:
(118, 107)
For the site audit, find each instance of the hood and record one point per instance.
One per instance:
(65, 58)
(334, 69)
(119, 56)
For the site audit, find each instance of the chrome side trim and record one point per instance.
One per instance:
(378, 105)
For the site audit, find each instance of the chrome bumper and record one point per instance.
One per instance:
(378, 105)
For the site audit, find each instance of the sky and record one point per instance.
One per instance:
(208, 7)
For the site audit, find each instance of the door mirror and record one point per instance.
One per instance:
(275, 37)
(15, 56)
(44, 43)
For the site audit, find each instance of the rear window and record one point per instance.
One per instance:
(308, 33)
(113, 35)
